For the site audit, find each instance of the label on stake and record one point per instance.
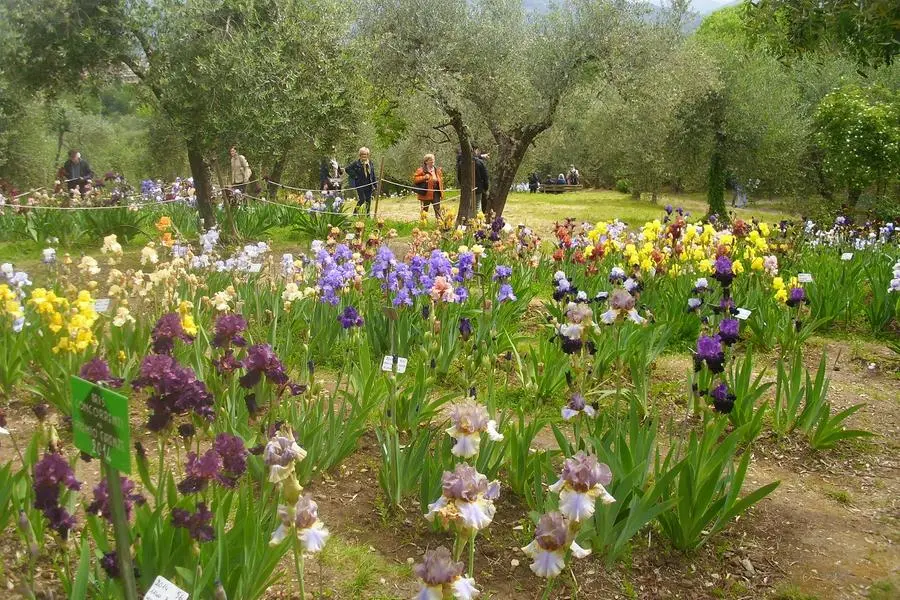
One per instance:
(847, 256)
(387, 364)
(743, 314)
(255, 268)
(804, 278)
(163, 589)
(101, 305)
(100, 423)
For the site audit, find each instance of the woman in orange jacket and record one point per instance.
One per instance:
(429, 182)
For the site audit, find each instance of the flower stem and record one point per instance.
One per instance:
(471, 572)
(298, 565)
(550, 582)
(159, 473)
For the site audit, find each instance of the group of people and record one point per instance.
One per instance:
(573, 177)
(428, 180)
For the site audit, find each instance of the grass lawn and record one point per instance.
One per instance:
(538, 211)
(541, 211)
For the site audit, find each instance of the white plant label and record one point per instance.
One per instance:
(743, 314)
(804, 278)
(163, 589)
(388, 363)
(350, 236)
(847, 256)
(101, 305)
(255, 268)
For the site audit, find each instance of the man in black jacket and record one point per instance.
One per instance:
(482, 181)
(362, 176)
(78, 172)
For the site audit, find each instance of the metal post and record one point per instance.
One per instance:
(380, 180)
(123, 538)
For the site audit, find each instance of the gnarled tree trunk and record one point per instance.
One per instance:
(202, 184)
(511, 149)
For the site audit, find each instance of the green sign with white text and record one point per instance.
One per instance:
(100, 424)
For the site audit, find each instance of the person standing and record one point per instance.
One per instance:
(574, 175)
(77, 172)
(240, 171)
(429, 182)
(533, 182)
(362, 177)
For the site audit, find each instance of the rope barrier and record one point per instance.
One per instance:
(219, 190)
(296, 189)
(300, 208)
(421, 189)
(138, 206)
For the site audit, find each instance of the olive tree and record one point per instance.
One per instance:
(219, 70)
(491, 66)
(859, 133)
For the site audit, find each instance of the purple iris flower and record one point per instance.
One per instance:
(466, 266)
(100, 505)
(729, 331)
(350, 318)
(262, 360)
(175, 390)
(709, 351)
(723, 399)
(796, 296)
(465, 328)
(505, 293)
(197, 523)
(97, 371)
(229, 328)
(723, 270)
(234, 455)
(166, 331)
(51, 472)
(502, 273)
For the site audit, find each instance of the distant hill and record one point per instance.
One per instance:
(700, 7)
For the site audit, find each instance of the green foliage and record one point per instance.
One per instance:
(859, 132)
(402, 465)
(330, 430)
(864, 30)
(747, 390)
(707, 486)
(629, 448)
(528, 472)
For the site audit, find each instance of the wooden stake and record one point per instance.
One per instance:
(123, 537)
